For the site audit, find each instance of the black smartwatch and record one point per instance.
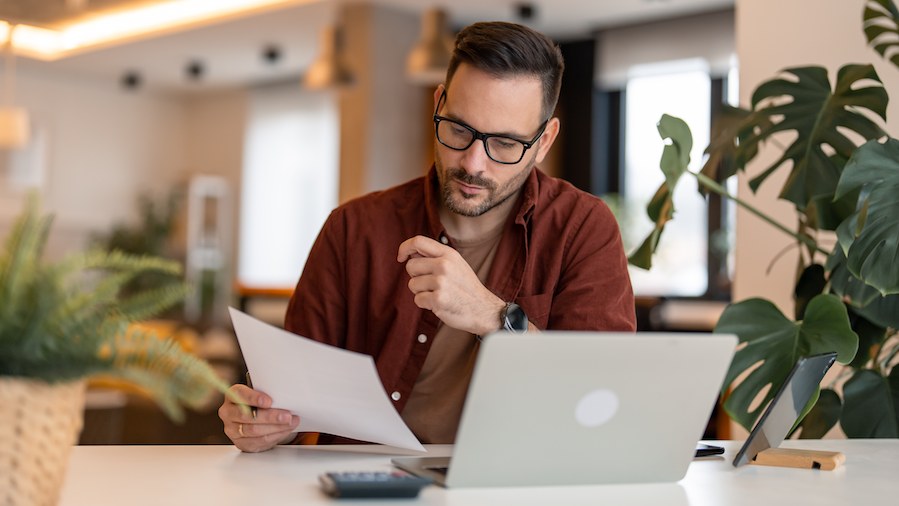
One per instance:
(514, 319)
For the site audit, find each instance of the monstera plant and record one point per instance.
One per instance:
(847, 298)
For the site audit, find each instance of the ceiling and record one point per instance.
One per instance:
(231, 51)
(55, 13)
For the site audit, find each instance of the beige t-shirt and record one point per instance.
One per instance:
(435, 405)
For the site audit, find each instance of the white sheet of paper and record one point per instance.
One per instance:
(332, 390)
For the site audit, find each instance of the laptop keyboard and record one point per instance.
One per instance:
(439, 470)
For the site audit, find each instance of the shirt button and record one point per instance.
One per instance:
(422, 338)
(444, 240)
(395, 396)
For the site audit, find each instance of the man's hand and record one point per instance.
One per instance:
(270, 427)
(444, 283)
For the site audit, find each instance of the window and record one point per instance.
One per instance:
(289, 184)
(682, 89)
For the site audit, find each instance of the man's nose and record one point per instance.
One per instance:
(475, 159)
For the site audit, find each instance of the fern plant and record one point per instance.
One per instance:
(69, 320)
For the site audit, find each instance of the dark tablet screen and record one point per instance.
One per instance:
(784, 410)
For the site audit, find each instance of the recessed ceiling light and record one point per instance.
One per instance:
(195, 70)
(131, 80)
(271, 54)
(526, 11)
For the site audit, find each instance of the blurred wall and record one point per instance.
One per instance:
(772, 35)
(381, 144)
(105, 146)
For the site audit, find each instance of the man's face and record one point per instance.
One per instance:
(470, 181)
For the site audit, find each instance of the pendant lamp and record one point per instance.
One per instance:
(428, 60)
(328, 70)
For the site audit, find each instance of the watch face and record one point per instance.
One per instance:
(514, 319)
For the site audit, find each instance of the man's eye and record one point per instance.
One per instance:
(458, 129)
(505, 144)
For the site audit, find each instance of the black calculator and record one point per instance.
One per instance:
(372, 484)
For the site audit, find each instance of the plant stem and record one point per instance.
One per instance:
(886, 362)
(850, 372)
(720, 190)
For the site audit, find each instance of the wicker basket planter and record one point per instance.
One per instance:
(39, 423)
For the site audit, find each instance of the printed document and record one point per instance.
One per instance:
(332, 390)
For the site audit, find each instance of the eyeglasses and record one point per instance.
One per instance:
(500, 149)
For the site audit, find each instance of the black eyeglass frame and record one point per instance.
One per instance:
(481, 136)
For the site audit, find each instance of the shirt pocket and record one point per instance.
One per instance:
(537, 308)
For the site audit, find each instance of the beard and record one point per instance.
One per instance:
(493, 195)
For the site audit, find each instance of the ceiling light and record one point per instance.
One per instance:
(428, 60)
(37, 42)
(271, 54)
(131, 80)
(328, 70)
(195, 70)
(52, 44)
(525, 11)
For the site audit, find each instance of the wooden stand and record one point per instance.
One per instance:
(803, 459)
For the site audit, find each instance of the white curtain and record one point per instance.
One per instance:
(289, 186)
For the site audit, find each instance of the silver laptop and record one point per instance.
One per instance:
(577, 408)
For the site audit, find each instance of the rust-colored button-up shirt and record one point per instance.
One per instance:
(560, 258)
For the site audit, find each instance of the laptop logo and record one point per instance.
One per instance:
(596, 408)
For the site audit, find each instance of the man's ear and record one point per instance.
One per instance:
(437, 93)
(546, 141)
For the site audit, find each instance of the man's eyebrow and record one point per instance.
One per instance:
(511, 135)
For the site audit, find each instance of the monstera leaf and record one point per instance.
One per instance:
(871, 405)
(852, 290)
(862, 299)
(882, 29)
(870, 339)
(729, 131)
(814, 112)
(675, 158)
(778, 342)
(823, 416)
(811, 283)
(873, 252)
(882, 311)
(828, 213)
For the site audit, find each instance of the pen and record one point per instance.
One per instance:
(250, 384)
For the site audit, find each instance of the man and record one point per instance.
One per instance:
(415, 275)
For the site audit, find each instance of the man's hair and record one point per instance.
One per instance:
(505, 50)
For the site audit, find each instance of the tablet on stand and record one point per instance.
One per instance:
(762, 446)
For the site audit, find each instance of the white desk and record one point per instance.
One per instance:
(223, 476)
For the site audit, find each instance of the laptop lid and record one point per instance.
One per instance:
(566, 408)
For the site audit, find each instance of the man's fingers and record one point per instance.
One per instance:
(425, 300)
(261, 443)
(422, 266)
(251, 397)
(251, 430)
(421, 245)
(263, 416)
(421, 284)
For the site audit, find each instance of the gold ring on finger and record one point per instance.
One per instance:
(240, 430)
